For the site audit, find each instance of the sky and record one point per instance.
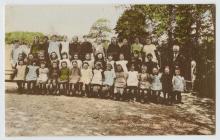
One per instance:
(58, 19)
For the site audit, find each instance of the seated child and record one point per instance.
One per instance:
(42, 77)
(31, 76)
(64, 58)
(132, 83)
(86, 77)
(79, 62)
(120, 82)
(74, 78)
(63, 78)
(108, 82)
(53, 77)
(96, 82)
(89, 61)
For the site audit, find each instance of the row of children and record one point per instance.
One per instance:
(121, 80)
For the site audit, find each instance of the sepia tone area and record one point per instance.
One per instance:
(150, 70)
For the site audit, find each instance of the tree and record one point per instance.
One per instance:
(100, 29)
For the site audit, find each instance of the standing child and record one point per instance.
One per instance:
(74, 79)
(132, 83)
(79, 62)
(54, 58)
(53, 77)
(64, 58)
(100, 58)
(31, 76)
(123, 62)
(156, 84)
(63, 78)
(86, 77)
(20, 75)
(96, 82)
(109, 76)
(120, 82)
(178, 85)
(166, 80)
(55, 46)
(42, 77)
(144, 84)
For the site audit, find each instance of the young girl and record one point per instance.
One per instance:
(97, 79)
(86, 77)
(31, 76)
(123, 62)
(74, 79)
(111, 61)
(89, 60)
(54, 58)
(135, 59)
(166, 80)
(63, 78)
(156, 86)
(109, 76)
(64, 58)
(120, 82)
(100, 58)
(42, 77)
(132, 83)
(76, 58)
(53, 77)
(30, 59)
(178, 85)
(144, 84)
(20, 75)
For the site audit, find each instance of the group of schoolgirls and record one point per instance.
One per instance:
(100, 77)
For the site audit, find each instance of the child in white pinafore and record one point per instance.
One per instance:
(120, 82)
(132, 83)
(96, 82)
(123, 62)
(31, 76)
(179, 85)
(20, 75)
(42, 77)
(86, 77)
(144, 84)
(109, 76)
(156, 85)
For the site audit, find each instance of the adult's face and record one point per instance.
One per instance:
(36, 39)
(114, 40)
(125, 42)
(136, 40)
(148, 41)
(75, 39)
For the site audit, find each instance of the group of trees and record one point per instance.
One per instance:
(190, 26)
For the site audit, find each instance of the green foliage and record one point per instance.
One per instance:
(26, 37)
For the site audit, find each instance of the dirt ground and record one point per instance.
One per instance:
(43, 115)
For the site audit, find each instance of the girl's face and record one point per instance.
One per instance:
(20, 56)
(53, 55)
(167, 70)
(87, 57)
(75, 57)
(121, 57)
(54, 65)
(74, 64)
(54, 39)
(136, 55)
(155, 71)
(21, 63)
(132, 68)
(42, 65)
(144, 69)
(177, 72)
(64, 65)
(30, 56)
(100, 56)
(34, 64)
(97, 66)
(85, 66)
(125, 41)
(110, 58)
(64, 56)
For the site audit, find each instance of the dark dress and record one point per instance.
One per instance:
(125, 49)
(166, 80)
(54, 73)
(35, 49)
(114, 50)
(44, 46)
(74, 48)
(150, 65)
(85, 47)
